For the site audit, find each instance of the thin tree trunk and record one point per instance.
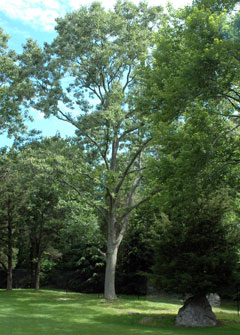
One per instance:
(10, 250)
(9, 278)
(37, 274)
(39, 256)
(33, 266)
(38, 264)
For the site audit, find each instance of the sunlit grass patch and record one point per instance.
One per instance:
(26, 312)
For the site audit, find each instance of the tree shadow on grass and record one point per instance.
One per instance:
(49, 313)
(161, 324)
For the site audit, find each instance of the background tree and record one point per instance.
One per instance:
(42, 218)
(81, 267)
(86, 77)
(41, 213)
(136, 253)
(196, 57)
(12, 196)
(196, 250)
(15, 90)
(197, 257)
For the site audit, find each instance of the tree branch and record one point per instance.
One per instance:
(91, 204)
(3, 266)
(129, 131)
(112, 78)
(234, 91)
(126, 215)
(127, 80)
(99, 95)
(106, 143)
(230, 97)
(103, 82)
(220, 136)
(134, 171)
(130, 209)
(70, 120)
(125, 173)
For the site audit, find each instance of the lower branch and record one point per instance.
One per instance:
(130, 209)
(91, 204)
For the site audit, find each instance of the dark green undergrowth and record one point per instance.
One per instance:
(25, 312)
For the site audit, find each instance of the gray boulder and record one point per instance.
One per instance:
(214, 299)
(196, 312)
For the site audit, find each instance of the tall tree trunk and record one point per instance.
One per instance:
(113, 243)
(9, 277)
(10, 249)
(39, 256)
(37, 274)
(111, 262)
(32, 265)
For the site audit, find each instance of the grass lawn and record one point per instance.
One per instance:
(25, 312)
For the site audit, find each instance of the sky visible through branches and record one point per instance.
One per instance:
(35, 19)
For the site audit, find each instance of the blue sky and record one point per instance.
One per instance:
(23, 19)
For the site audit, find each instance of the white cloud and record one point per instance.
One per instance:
(176, 3)
(36, 114)
(40, 116)
(42, 13)
(34, 12)
(75, 4)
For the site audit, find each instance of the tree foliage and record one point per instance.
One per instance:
(15, 90)
(197, 244)
(196, 57)
(198, 256)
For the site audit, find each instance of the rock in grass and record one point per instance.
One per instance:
(196, 312)
(132, 313)
(214, 299)
(146, 320)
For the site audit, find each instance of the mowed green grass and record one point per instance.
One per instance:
(25, 312)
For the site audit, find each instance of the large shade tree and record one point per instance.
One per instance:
(197, 246)
(196, 57)
(87, 77)
(12, 197)
(43, 212)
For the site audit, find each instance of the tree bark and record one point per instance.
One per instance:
(38, 264)
(37, 274)
(116, 231)
(113, 242)
(111, 262)
(10, 270)
(39, 256)
(31, 258)
(9, 278)
(10, 250)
